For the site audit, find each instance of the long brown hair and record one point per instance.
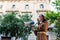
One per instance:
(44, 19)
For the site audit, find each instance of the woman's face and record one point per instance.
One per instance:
(41, 18)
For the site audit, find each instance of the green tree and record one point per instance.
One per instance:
(54, 17)
(15, 26)
(51, 16)
(57, 4)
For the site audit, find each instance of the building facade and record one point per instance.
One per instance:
(31, 7)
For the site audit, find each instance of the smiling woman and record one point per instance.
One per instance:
(42, 28)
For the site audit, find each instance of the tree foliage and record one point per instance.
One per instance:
(57, 4)
(54, 17)
(15, 26)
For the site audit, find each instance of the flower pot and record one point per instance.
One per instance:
(5, 38)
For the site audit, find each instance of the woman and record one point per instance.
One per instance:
(42, 27)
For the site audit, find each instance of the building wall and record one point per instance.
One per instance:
(32, 7)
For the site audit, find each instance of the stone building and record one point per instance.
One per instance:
(31, 7)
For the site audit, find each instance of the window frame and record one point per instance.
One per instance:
(41, 6)
(27, 6)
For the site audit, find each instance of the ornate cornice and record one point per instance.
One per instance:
(41, 11)
(12, 11)
(26, 12)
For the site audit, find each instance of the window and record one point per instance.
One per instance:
(41, 6)
(13, 6)
(26, 6)
(1, 6)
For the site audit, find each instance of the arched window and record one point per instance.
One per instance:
(26, 6)
(41, 5)
(13, 6)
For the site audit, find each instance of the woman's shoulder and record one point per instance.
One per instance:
(46, 21)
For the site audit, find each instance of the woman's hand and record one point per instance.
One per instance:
(40, 25)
